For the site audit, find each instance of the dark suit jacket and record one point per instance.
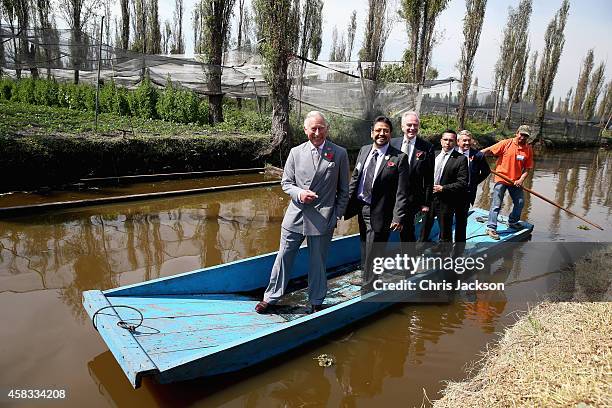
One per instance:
(388, 201)
(454, 181)
(419, 181)
(479, 171)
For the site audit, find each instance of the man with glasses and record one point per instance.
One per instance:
(449, 186)
(419, 179)
(515, 161)
(375, 194)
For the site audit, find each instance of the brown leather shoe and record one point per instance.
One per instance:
(493, 234)
(315, 308)
(262, 307)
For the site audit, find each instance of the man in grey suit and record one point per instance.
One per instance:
(316, 177)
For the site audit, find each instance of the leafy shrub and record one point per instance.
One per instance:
(69, 97)
(107, 97)
(46, 92)
(88, 93)
(144, 100)
(121, 102)
(166, 104)
(203, 112)
(187, 103)
(6, 88)
(24, 91)
(245, 120)
(177, 105)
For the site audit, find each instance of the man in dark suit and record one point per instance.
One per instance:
(450, 184)
(419, 180)
(478, 171)
(376, 195)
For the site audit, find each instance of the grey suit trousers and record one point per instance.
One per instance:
(283, 265)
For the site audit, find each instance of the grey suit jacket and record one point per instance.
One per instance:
(329, 179)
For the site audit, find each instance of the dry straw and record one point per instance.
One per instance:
(557, 355)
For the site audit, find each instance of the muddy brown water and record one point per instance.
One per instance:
(392, 359)
(91, 190)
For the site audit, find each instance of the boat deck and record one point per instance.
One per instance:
(174, 327)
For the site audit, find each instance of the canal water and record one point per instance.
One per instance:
(401, 357)
(110, 189)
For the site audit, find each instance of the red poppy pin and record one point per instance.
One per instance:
(419, 154)
(329, 155)
(471, 158)
(390, 164)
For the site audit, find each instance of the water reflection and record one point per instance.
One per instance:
(579, 180)
(104, 247)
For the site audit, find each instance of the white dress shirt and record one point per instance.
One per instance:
(381, 155)
(441, 160)
(408, 147)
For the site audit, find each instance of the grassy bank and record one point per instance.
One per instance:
(557, 355)
(51, 146)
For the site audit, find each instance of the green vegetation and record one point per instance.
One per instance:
(52, 145)
(47, 131)
(171, 104)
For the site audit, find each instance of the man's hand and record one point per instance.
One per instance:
(396, 226)
(425, 208)
(437, 188)
(521, 180)
(308, 196)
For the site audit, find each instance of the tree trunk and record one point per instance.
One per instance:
(280, 120)
(539, 121)
(215, 98)
(465, 86)
(125, 24)
(215, 111)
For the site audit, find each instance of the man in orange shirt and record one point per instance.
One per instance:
(514, 160)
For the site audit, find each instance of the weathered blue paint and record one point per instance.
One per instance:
(239, 276)
(190, 331)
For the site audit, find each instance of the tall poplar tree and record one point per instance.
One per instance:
(215, 19)
(583, 84)
(125, 23)
(77, 13)
(279, 26)
(554, 40)
(420, 17)
(376, 33)
(178, 39)
(350, 35)
(533, 72)
(605, 106)
(595, 84)
(472, 26)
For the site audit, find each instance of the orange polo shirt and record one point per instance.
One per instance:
(512, 158)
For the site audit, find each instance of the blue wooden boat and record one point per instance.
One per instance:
(203, 323)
